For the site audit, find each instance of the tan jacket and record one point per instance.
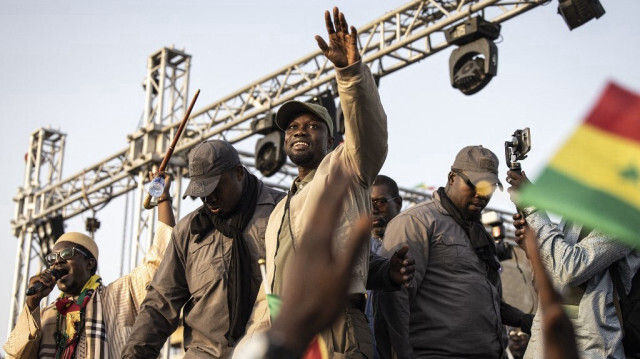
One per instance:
(33, 335)
(363, 152)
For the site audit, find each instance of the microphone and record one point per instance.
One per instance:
(38, 286)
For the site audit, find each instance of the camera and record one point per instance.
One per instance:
(517, 149)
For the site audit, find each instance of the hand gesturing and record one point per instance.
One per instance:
(342, 50)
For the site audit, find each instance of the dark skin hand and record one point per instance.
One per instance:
(342, 50)
(558, 334)
(45, 277)
(401, 267)
(318, 278)
(516, 179)
(521, 226)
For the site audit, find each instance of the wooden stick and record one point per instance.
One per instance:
(147, 201)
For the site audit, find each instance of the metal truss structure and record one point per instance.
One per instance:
(397, 39)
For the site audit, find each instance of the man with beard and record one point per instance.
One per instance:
(210, 271)
(88, 319)
(452, 307)
(308, 141)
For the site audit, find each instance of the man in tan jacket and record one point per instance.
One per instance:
(308, 141)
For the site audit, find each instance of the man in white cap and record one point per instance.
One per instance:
(89, 319)
(210, 272)
(453, 306)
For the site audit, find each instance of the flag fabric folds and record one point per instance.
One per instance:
(594, 179)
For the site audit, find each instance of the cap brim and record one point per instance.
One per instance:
(477, 177)
(201, 187)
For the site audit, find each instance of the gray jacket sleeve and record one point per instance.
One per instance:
(573, 264)
(160, 310)
(394, 307)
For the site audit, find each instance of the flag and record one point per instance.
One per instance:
(594, 179)
(317, 349)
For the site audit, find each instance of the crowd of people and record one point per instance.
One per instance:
(356, 276)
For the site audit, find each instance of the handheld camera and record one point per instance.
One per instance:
(517, 149)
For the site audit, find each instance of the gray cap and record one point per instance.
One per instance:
(289, 109)
(479, 164)
(207, 162)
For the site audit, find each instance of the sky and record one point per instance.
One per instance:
(77, 67)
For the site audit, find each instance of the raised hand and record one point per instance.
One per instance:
(342, 50)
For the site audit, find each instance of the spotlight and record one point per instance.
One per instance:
(577, 12)
(48, 231)
(269, 153)
(475, 62)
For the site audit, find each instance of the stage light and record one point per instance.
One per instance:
(269, 152)
(577, 12)
(48, 231)
(270, 156)
(475, 62)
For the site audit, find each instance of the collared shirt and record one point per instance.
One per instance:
(572, 263)
(34, 333)
(286, 244)
(193, 278)
(451, 308)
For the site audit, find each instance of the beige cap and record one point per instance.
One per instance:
(81, 239)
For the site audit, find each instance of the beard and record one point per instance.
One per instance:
(472, 216)
(302, 159)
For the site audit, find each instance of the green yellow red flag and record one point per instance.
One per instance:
(594, 179)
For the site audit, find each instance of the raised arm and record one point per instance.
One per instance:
(569, 263)
(365, 137)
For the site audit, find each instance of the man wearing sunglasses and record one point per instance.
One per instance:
(452, 307)
(88, 319)
(210, 272)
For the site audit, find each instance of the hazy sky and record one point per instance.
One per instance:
(77, 66)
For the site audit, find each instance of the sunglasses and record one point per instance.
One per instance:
(491, 188)
(64, 254)
(381, 202)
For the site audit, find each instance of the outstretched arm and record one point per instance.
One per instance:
(569, 263)
(365, 137)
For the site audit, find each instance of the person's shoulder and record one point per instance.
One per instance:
(269, 195)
